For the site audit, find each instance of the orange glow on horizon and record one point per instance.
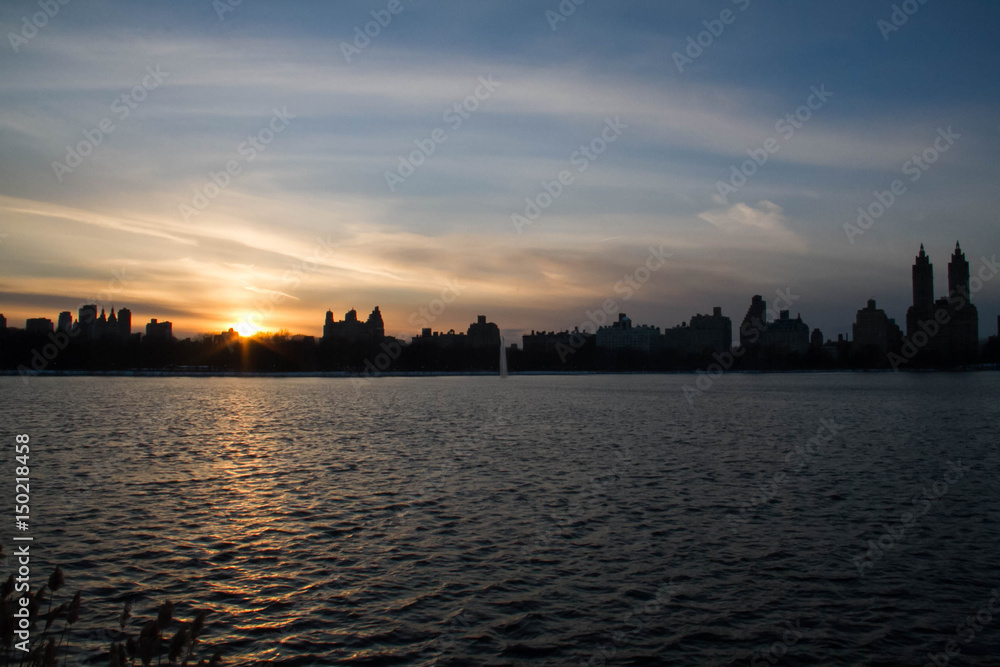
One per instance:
(245, 329)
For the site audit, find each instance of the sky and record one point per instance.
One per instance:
(526, 160)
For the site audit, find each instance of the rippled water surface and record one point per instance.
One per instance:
(533, 520)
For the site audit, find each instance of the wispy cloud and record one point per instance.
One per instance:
(324, 178)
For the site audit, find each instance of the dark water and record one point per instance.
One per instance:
(532, 520)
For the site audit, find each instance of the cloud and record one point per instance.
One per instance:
(764, 224)
(324, 178)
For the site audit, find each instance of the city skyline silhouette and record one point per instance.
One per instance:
(939, 332)
(542, 332)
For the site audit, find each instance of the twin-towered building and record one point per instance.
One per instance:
(939, 332)
(942, 331)
(93, 327)
(353, 330)
(950, 324)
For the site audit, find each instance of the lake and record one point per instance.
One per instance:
(794, 519)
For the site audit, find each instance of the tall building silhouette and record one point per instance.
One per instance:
(483, 334)
(754, 321)
(352, 329)
(958, 275)
(161, 331)
(65, 321)
(111, 328)
(375, 325)
(87, 321)
(785, 336)
(706, 333)
(124, 323)
(964, 325)
(945, 330)
(875, 335)
(923, 292)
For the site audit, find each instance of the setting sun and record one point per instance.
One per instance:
(245, 329)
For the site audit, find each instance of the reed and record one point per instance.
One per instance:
(128, 649)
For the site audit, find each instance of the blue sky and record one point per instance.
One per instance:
(310, 222)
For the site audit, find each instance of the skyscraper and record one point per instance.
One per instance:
(88, 321)
(375, 325)
(159, 331)
(101, 325)
(65, 321)
(124, 323)
(958, 275)
(923, 292)
(754, 321)
(945, 330)
(875, 335)
(963, 329)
